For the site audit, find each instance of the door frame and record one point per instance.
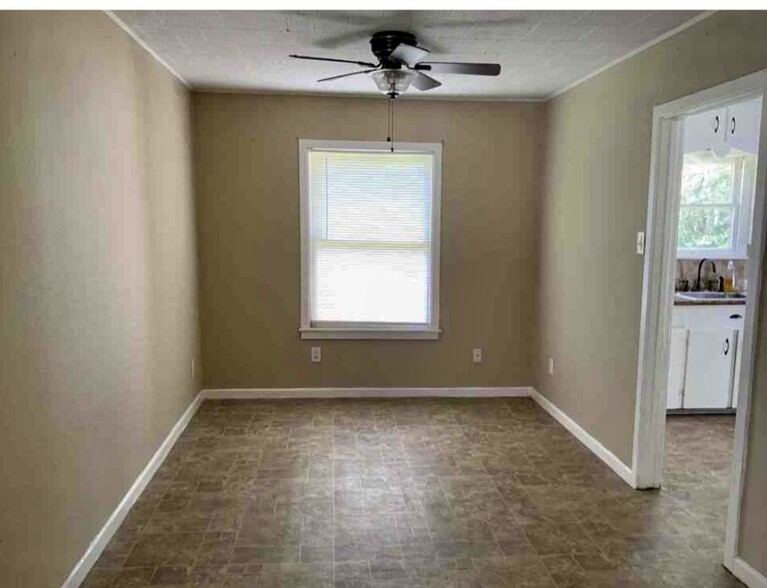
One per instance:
(658, 291)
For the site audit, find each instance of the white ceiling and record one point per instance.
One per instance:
(541, 52)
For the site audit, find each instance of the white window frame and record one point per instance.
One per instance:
(359, 330)
(743, 191)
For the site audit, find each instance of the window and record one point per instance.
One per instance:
(370, 240)
(715, 206)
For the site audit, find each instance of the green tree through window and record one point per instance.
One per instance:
(708, 206)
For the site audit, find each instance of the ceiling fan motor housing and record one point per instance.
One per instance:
(384, 42)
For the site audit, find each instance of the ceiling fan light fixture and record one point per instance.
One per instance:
(393, 81)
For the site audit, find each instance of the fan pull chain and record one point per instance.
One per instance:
(391, 122)
(388, 120)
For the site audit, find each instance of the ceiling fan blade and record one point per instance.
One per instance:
(475, 69)
(424, 82)
(409, 54)
(354, 73)
(435, 44)
(363, 63)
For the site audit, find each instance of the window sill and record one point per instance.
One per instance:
(714, 255)
(360, 334)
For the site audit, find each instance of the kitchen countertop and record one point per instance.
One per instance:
(678, 301)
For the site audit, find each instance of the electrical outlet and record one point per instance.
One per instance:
(551, 366)
(476, 355)
(316, 354)
(640, 243)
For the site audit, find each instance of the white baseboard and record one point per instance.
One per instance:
(741, 569)
(262, 393)
(748, 575)
(101, 540)
(584, 437)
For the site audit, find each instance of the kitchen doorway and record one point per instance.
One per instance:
(716, 182)
(702, 280)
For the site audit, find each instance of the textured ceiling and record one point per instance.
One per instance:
(541, 52)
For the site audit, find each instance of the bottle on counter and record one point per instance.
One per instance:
(729, 278)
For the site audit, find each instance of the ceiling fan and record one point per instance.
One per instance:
(401, 64)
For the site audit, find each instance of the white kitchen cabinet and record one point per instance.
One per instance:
(709, 371)
(733, 127)
(677, 363)
(704, 356)
(742, 128)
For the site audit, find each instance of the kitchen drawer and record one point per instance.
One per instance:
(709, 316)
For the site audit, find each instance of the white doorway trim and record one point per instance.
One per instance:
(657, 291)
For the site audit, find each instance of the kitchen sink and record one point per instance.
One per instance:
(710, 295)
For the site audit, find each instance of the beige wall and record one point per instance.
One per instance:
(97, 280)
(97, 258)
(594, 201)
(246, 165)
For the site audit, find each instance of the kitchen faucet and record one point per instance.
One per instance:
(698, 283)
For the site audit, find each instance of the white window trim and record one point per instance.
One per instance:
(350, 330)
(743, 191)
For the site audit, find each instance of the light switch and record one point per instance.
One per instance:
(640, 243)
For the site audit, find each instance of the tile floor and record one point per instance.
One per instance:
(416, 492)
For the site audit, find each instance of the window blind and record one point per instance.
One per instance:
(370, 237)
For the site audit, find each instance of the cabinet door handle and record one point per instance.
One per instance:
(736, 316)
(732, 129)
(716, 123)
(727, 346)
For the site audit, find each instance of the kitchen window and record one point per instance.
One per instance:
(369, 240)
(715, 206)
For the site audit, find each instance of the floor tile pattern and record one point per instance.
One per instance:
(417, 492)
